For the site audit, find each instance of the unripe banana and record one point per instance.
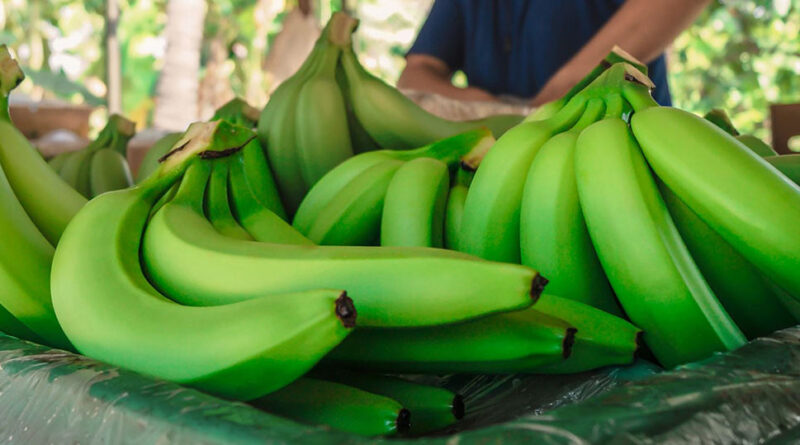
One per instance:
(746, 296)
(108, 171)
(193, 264)
(553, 234)
(323, 136)
(150, 162)
(432, 408)
(217, 206)
(361, 140)
(76, 172)
(48, 200)
(454, 211)
(789, 165)
(519, 341)
(748, 202)
(490, 225)
(259, 221)
(720, 118)
(122, 320)
(602, 339)
(649, 267)
(413, 209)
(758, 146)
(340, 406)
(260, 179)
(58, 161)
(499, 123)
(237, 111)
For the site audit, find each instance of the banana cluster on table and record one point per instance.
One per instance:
(352, 236)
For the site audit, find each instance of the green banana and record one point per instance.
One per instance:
(490, 224)
(758, 146)
(720, 118)
(190, 262)
(238, 351)
(260, 222)
(602, 339)
(361, 140)
(260, 179)
(644, 257)
(237, 111)
(748, 202)
(217, 206)
(58, 161)
(353, 217)
(277, 132)
(553, 234)
(789, 165)
(344, 207)
(323, 136)
(519, 341)
(76, 171)
(414, 206)
(454, 210)
(741, 289)
(119, 131)
(49, 201)
(25, 257)
(498, 124)
(339, 406)
(108, 171)
(432, 408)
(150, 162)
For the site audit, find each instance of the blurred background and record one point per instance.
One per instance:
(140, 57)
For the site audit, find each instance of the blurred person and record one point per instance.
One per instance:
(539, 49)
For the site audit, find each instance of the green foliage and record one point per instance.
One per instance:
(741, 55)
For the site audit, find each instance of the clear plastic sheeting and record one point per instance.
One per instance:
(751, 395)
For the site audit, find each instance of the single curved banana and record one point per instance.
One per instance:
(519, 341)
(238, 351)
(553, 234)
(193, 264)
(340, 406)
(468, 147)
(321, 129)
(50, 202)
(260, 179)
(758, 146)
(602, 339)
(58, 161)
(720, 118)
(76, 172)
(261, 223)
(217, 206)
(432, 408)
(789, 165)
(393, 120)
(150, 162)
(754, 207)
(746, 296)
(361, 140)
(490, 225)
(454, 211)
(108, 171)
(646, 261)
(414, 206)
(25, 257)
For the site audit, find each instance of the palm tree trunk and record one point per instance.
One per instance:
(178, 84)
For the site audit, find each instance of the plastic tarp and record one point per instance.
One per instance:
(751, 395)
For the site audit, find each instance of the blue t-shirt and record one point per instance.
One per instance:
(512, 47)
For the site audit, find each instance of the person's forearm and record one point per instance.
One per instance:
(432, 80)
(644, 28)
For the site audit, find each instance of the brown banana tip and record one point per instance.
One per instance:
(346, 310)
(569, 340)
(403, 421)
(466, 166)
(458, 406)
(537, 287)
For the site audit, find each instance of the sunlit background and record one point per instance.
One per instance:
(741, 55)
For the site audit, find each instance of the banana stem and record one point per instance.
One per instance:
(340, 29)
(10, 76)
(615, 106)
(638, 96)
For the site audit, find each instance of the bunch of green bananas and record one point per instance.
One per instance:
(332, 108)
(101, 166)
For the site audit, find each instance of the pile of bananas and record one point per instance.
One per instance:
(353, 235)
(101, 166)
